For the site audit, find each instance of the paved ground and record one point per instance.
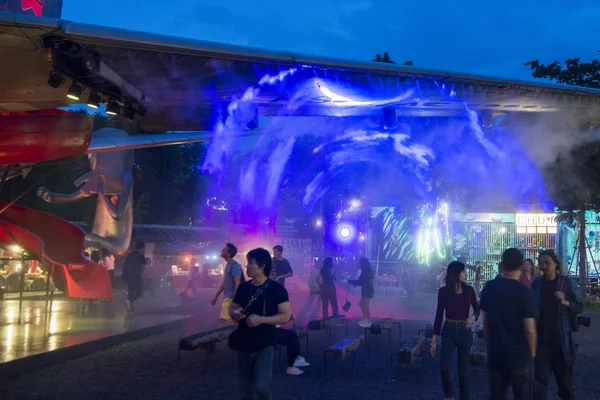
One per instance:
(36, 325)
(146, 369)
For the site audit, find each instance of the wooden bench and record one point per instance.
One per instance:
(418, 351)
(327, 323)
(343, 348)
(477, 356)
(206, 341)
(411, 354)
(384, 325)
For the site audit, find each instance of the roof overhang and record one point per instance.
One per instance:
(185, 83)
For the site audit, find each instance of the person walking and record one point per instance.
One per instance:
(326, 279)
(367, 290)
(455, 300)
(133, 269)
(509, 330)
(232, 277)
(259, 305)
(558, 305)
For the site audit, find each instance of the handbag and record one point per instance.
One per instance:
(347, 304)
(236, 338)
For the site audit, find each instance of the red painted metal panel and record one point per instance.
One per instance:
(44, 136)
(59, 243)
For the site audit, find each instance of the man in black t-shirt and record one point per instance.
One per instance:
(281, 267)
(510, 332)
(258, 305)
(132, 274)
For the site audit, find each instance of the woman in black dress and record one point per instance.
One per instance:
(367, 290)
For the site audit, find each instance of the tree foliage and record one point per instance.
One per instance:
(573, 181)
(581, 164)
(385, 58)
(168, 184)
(574, 72)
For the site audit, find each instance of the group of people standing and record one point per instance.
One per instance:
(322, 283)
(527, 322)
(259, 305)
(528, 273)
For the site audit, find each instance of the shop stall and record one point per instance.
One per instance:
(482, 237)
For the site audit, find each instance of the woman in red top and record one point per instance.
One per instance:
(529, 272)
(456, 300)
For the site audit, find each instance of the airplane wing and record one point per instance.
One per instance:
(184, 84)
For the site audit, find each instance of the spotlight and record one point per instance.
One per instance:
(74, 92)
(55, 79)
(319, 222)
(345, 232)
(94, 100)
(390, 118)
(112, 108)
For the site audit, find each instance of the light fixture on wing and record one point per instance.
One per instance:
(112, 108)
(74, 92)
(94, 100)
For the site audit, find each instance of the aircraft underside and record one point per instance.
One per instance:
(166, 83)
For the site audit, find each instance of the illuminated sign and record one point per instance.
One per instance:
(535, 223)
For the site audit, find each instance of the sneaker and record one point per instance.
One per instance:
(369, 323)
(294, 371)
(301, 362)
(364, 323)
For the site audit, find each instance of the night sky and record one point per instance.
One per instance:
(475, 36)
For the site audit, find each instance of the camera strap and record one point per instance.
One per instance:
(562, 283)
(255, 296)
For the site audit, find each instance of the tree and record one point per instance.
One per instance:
(385, 58)
(581, 191)
(574, 72)
(577, 194)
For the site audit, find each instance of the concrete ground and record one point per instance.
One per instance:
(37, 325)
(147, 368)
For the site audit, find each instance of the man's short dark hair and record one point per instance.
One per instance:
(231, 249)
(512, 259)
(262, 258)
(279, 248)
(139, 246)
